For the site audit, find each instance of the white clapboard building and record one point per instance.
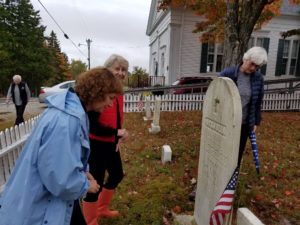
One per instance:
(175, 51)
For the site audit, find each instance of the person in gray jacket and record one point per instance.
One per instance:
(20, 94)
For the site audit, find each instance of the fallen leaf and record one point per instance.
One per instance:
(258, 197)
(177, 209)
(288, 193)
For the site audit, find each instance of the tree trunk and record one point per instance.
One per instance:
(239, 24)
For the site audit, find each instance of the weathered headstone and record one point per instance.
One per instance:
(220, 136)
(155, 128)
(148, 109)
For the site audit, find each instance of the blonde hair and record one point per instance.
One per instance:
(114, 58)
(95, 84)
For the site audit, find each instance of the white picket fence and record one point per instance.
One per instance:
(189, 102)
(12, 141)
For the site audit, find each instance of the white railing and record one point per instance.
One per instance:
(189, 102)
(12, 141)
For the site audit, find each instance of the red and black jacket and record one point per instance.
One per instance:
(104, 126)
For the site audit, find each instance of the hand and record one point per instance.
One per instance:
(94, 186)
(89, 176)
(123, 134)
(7, 102)
(254, 128)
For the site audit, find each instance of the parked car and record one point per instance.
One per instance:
(47, 91)
(191, 81)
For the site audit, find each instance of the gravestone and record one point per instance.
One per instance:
(166, 154)
(219, 147)
(155, 128)
(148, 109)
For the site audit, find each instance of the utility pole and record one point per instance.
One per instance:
(88, 41)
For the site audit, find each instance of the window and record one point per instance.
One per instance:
(287, 57)
(162, 65)
(211, 57)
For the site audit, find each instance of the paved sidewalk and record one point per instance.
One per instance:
(8, 113)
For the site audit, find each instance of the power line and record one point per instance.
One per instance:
(65, 35)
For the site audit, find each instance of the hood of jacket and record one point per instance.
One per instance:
(66, 101)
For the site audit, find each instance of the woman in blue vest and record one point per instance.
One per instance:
(20, 94)
(250, 83)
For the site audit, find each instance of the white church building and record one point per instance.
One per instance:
(175, 51)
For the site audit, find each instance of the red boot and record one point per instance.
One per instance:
(104, 199)
(89, 210)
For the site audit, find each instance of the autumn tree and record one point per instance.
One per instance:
(138, 77)
(230, 22)
(292, 32)
(77, 67)
(59, 65)
(22, 48)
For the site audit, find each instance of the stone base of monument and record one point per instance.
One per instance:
(154, 129)
(246, 217)
(147, 119)
(166, 154)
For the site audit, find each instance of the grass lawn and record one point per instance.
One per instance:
(150, 191)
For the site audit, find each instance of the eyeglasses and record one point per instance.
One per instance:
(254, 65)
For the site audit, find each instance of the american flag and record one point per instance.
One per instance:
(140, 103)
(224, 204)
(252, 137)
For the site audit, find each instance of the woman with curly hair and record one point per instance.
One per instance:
(51, 172)
(106, 135)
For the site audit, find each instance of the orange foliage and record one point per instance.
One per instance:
(214, 13)
(295, 2)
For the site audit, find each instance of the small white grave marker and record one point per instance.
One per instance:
(166, 154)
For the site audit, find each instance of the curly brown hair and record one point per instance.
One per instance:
(95, 84)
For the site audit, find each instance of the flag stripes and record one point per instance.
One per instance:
(223, 206)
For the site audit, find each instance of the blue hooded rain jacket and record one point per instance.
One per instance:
(49, 174)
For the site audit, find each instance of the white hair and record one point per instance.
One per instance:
(17, 78)
(257, 55)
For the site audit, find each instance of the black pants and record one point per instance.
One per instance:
(104, 157)
(77, 217)
(243, 141)
(19, 112)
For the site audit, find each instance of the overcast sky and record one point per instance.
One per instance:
(114, 26)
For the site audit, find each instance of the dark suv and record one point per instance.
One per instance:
(191, 81)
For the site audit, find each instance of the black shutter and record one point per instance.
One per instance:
(266, 43)
(278, 70)
(203, 62)
(298, 62)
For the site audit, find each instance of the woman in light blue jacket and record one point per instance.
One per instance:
(50, 173)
